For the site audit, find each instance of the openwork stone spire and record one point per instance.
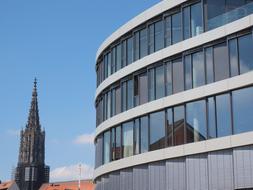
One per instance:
(33, 118)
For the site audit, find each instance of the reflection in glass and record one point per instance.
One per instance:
(143, 88)
(233, 58)
(178, 76)
(159, 35)
(196, 129)
(209, 65)
(167, 31)
(124, 53)
(113, 143)
(211, 118)
(159, 82)
(221, 66)
(124, 96)
(143, 43)
(151, 84)
(118, 57)
(136, 46)
(176, 28)
(129, 51)
(178, 125)
(198, 69)
(118, 100)
(144, 134)
(188, 72)
(136, 136)
(223, 112)
(151, 38)
(186, 20)
(242, 110)
(196, 19)
(168, 78)
(118, 143)
(169, 125)
(127, 143)
(245, 53)
(130, 94)
(106, 147)
(157, 130)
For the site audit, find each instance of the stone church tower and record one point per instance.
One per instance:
(31, 171)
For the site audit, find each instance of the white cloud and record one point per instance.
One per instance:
(84, 139)
(68, 173)
(13, 132)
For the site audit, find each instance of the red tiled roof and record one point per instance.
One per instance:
(68, 185)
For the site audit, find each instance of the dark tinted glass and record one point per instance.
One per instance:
(118, 57)
(118, 100)
(127, 143)
(113, 102)
(209, 65)
(113, 144)
(124, 53)
(143, 43)
(109, 64)
(243, 110)
(188, 72)
(178, 125)
(159, 35)
(129, 51)
(108, 104)
(168, 78)
(157, 130)
(136, 136)
(233, 58)
(144, 134)
(198, 69)
(130, 94)
(186, 17)
(178, 76)
(137, 46)
(151, 84)
(151, 38)
(143, 88)
(211, 118)
(245, 53)
(196, 19)
(221, 66)
(223, 111)
(169, 125)
(196, 129)
(167, 31)
(124, 96)
(106, 147)
(118, 143)
(176, 28)
(159, 80)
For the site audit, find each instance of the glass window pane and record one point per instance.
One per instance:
(113, 102)
(198, 69)
(144, 134)
(106, 66)
(107, 145)
(159, 35)
(167, 31)
(196, 129)
(130, 94)
(221, 66)
(168, 78)
(186, 16)
(136, 136)
(243, 110)
(118, 57)
(113, 143)
(178, 76)
(143, 87)
(129, 51)
(160, 84)
(136, 90)
(151, 38)
(143, 43)
(196, 19)
(124, 96)
(209, 65)
(233, 58)
(245, 53)
(223, 112)
(151, 84)
(137, 46)
(169, 125)
(178, 125)
(108, 104)
(188, 72)
(157, 130)
(118, 143)
(124, 53)
(118, 100)
(176, 28)
(127, 139)
(211, 118)
(109, 64)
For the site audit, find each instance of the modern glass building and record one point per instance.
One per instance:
(174, 99)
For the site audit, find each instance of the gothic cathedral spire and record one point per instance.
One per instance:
(31, 171)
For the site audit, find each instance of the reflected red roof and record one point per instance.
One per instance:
(6, 185)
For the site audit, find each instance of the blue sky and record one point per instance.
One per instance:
(56, 41)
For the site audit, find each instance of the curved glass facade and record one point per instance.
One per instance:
(203, 65)
(183, 22)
